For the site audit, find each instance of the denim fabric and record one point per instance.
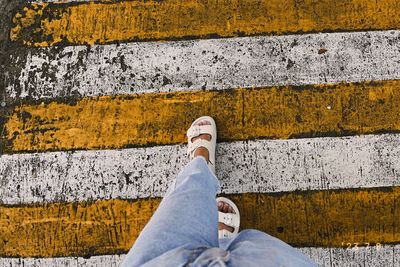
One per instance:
(184, 231)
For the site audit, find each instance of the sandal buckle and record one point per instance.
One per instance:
(194, 131)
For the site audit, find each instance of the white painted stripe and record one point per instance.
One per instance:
(248, 166)
(206, 64)
(387, 255)
(95, 261)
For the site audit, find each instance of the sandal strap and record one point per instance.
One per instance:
(230, 219)
(199, 143)
(224, 233)
(197, 130)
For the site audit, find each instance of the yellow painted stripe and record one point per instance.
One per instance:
(45, 24)
(319, 218)
(110, 122)
(72, 229)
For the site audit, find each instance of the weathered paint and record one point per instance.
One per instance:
(73, 229)
(215, 64)
(94, 261)
(372, 256)
(324, 218)
(260, 166)
(372, 65)
(312, 218)
(46, 24)
(241, 114)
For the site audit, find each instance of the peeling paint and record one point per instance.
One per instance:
(112, 122)
(259, 166)
(372, 256)
(94, 261)
(387, 255)
(73, 229)
(219, 64)
(46, 24)
(323, 218)
(65, 76)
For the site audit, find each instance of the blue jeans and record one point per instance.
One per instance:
(184, 231)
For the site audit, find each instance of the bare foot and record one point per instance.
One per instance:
(225, 208)
(202, 151)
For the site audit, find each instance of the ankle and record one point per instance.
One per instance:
(202, 151)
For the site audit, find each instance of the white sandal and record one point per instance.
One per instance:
(196, 130)
(229, 219)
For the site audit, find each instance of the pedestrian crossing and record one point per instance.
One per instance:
(98, 97)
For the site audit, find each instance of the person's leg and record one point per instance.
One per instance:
(186, 215)
(255, 248)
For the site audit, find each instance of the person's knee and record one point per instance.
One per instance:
(255, 234)
(253, 237)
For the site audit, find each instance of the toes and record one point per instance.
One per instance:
(203, 122)
(223, 207)
(230, 209)
(226, 208)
